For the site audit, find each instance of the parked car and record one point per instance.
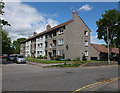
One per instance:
(19, 59)
(11, 57)
(2, 58)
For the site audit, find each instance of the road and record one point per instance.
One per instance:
(26, 77)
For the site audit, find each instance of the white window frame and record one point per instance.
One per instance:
(86, 43)
(86, 53)
(41, 52)
(50, 36)
(86, 34)
(58, 52)
(41, 45)
(50, 45)
(61, 31)
(38, 45)
(41, 37)
(38, 52)
(60, 42)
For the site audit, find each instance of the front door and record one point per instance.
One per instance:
(50, 54)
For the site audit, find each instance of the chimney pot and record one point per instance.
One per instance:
(48, 27)
(34, 33)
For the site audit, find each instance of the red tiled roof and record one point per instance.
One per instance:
(103, 49)
(49, 30)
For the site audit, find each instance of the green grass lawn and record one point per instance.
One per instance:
(55, 61)
(44, 61)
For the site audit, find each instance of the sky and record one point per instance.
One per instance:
(28, 17)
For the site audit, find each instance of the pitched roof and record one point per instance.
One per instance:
(104, 49)
(49, 30)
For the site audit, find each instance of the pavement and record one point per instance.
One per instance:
(109, 85)
(43, 65)
(25, 77)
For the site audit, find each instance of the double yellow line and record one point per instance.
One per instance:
(95, 84)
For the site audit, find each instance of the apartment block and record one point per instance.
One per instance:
(69, 40)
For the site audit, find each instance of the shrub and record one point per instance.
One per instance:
(68, 59)
(57, 57)
(40, 57)
(77, 59)
(84, 58)
(44, 57)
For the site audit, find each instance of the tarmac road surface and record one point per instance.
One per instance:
(25, 77)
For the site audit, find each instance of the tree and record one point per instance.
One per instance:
(117, 35)
(3, 22)
(6, 42)
(16, 45)
(111, 21)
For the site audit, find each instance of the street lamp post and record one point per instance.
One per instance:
(108, 40)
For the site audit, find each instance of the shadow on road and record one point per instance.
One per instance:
(7, 62)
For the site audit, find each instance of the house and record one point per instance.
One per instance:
(100, 52)
(69, 40)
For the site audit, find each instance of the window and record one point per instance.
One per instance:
(86, 43)
(60, 42)
(41, 45)
(54, 52)
(20, 57)
(60, 52)
(50, 36)
(54, 33)
(61, 31)
(45, 44)
(54, 42)
(46, 36)
(41, 37)
(86, 33)
(50, 46)
(38, 52)
(46, 52)
(38, 45)
(93, 58)
(86, 53)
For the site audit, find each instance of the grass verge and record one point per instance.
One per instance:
(37, 60)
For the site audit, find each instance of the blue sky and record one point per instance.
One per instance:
(62, 11)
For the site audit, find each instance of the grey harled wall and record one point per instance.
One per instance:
(74, 38)
(94, 52)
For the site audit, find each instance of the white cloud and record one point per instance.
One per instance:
(24, 20)
(86, 7)
(11, 0)
(95, 40)
(51, 21)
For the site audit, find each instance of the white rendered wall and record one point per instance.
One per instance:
(40, 40)
(27, 48)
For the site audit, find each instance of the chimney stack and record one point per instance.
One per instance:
(48, 27)
(75, 14)
(34, 33)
